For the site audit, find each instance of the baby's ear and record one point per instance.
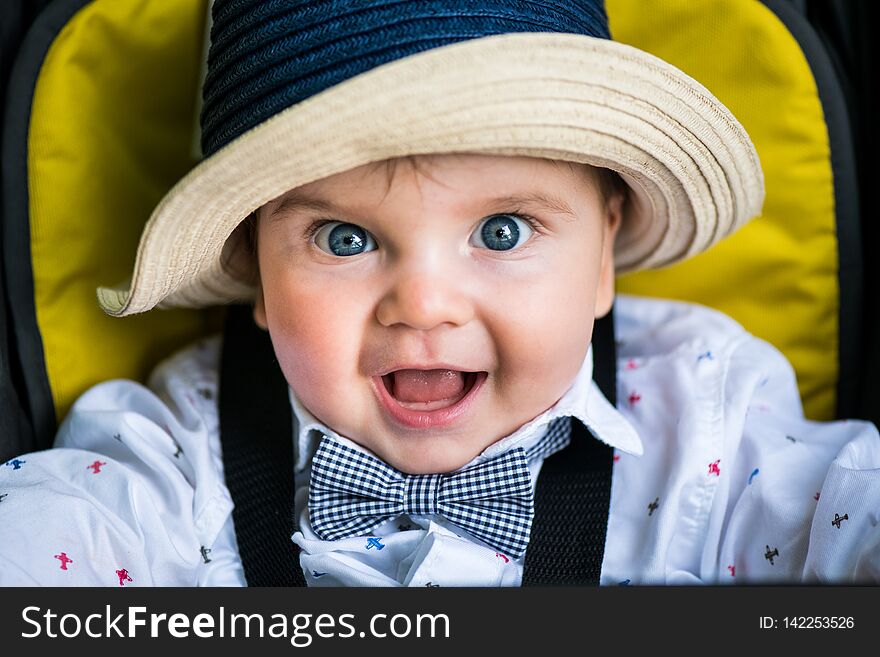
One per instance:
(260, 309)
(605, 289)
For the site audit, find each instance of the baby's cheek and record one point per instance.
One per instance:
(543, 350)
(303, 356)
(316, 359)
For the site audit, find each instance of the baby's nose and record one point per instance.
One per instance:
(423, 300)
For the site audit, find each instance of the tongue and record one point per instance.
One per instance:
(426, 385)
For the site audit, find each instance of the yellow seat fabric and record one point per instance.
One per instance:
(778, 275)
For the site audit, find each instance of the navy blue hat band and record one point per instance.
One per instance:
(277, 18)
(268, 55)
(288, 35)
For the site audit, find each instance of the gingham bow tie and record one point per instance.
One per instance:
(351, 492)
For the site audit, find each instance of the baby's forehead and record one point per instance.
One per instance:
(468, 179)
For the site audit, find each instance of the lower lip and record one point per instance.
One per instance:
(441, 417)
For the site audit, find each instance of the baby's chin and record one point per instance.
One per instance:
(436, 460)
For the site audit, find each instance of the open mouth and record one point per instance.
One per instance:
(428, 390)
(430, 397)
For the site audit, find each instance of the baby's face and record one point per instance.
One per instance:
(427, 311)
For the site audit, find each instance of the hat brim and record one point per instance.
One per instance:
(693, 172)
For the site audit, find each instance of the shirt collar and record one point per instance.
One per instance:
(583, 401)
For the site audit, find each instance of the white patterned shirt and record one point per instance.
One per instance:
(717, 479)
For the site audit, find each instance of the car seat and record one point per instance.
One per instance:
(100, 122)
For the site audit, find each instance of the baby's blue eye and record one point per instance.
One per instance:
(502, 232)
(344, 239)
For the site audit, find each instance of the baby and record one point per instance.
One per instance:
(428, 232)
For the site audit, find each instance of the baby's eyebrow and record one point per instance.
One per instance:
(534, 199)
(297, 200)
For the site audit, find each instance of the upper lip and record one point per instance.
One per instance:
(425, 366)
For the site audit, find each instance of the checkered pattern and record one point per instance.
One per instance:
(350, 492)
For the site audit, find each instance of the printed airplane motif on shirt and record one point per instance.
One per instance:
(205, 551)
(15, 464)
(64, 559)
(118, 437)
(501, 556)
(179, 450)
(816, 496)
(714, 469)
(431, 585)
(791, 438)
(123, 576)
(624, 582)
(374, 542)
(2, 495)
(316, 574)
(96, 466)
(732, 570)
(653, 505)
(634, 397)
(839, 519)
(769, 555)
(705, 356)
(753, 475)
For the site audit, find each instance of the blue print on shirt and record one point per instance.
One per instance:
(16, 464)
(374, 543)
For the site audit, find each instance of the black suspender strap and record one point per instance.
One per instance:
(573, 492)
(256, 432)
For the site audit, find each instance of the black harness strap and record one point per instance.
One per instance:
(256, 431)
(573, 492)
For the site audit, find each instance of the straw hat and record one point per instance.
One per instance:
(297, 90)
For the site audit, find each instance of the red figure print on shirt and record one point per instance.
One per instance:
(501, 556)
(732, 570)
(632, 365)
(634, 397)
(96, 466)
(123, 576)
(64, 559)
(816, 496)
(713, 468)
